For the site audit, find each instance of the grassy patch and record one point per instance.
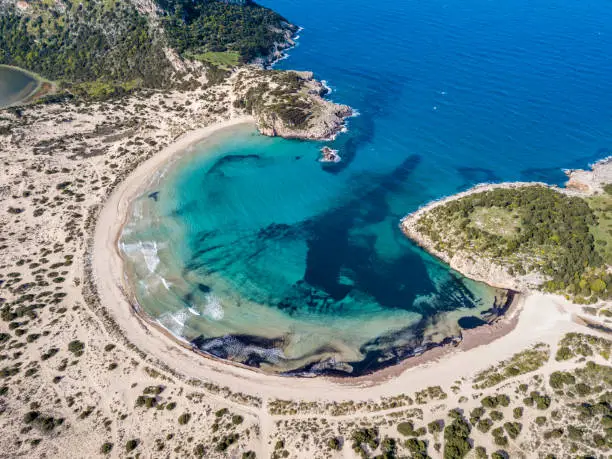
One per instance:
(602, 232)
(225, 59)
(520, 363)
(496, 220)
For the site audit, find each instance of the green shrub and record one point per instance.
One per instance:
(155, 390)
(484, 425)
(131, 445)
(456, 439)
(30, 416)
(503, 400)
(558, 379)
(368, 436)
(513, 429)
(501, 440)
(564, 353)
(76, 347)
(540, 420)
(552, 434)
(574, 433)
(406, 429)
(334, 444)
(435, 426)
(184, 418)
(417, 447)
(106, 448)
(542, 402)
(226, 442)
(489, 402)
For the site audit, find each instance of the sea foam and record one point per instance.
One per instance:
(213, 309)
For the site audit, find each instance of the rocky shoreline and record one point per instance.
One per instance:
(299, 112)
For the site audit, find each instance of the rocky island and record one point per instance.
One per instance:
(329, 155)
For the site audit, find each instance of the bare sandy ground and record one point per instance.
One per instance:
(538, 318)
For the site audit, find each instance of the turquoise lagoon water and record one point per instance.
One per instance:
(253, 251)
(15, 85)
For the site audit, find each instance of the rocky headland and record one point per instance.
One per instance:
(289, 104)
(495, 271)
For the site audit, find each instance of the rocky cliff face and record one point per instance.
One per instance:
(480, 269)
(326, 121)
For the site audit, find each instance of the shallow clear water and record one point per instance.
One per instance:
(254, 251)
(14, 86)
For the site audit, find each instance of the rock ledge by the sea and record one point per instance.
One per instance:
(288, 104)
(591, 181)
(478, 268)
(326, 121)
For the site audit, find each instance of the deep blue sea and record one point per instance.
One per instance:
(252, 250)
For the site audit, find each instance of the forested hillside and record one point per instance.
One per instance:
(111, 41)
(86, 41)
(211, 26)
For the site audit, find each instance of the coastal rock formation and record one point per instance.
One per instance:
(289, 104)
(591, 181)
(288, 32)
(481, 269)
(525, 236)
(328, 155)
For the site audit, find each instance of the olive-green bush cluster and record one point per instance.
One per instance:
(493, 402)
(520, 363)
(362, 437)
(44, 423)
(582, 345)
(456, 439)
(407, 429)
(429, 394)
(540, 401)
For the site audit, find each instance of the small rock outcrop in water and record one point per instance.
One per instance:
(329, 155)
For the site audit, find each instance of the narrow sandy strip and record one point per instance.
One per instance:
(543, 318)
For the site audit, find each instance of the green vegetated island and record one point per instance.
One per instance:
(527, 236)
